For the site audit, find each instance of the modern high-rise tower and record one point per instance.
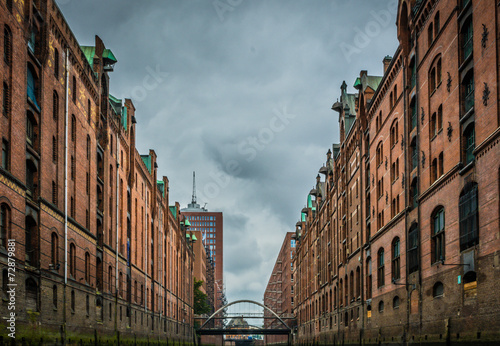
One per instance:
(210, 224)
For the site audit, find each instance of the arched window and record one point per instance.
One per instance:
(440, 165)
(469, 144)
(87, 267)
(468, 92)
(120, 284)
(381, 306)
(438, 244)
(395, 302)
(414, 154)
(110, 279)
(391, 100)
(358, 282)
(381, 268)
(88, 147)
(413, 264)
(4, 224)
(73, 128)
(469, 235)
(55, 105)
(437, 24)
(394, 133)
(380, 150)
(414, 193)
(467, 39)
(31, 129)
(438, 290)
(396, 265)
(135, 291)
(56, 63)
(430, 33)
(72, 260)
(440, 118)
(6, 99)
(54, 249)
(7, 45)
(432, 80)
(74, 89)
(413, 114)
(438, 72)
(32, 81)
(9, 5)
(395, 93)
(433, 126)
(89, 110)
(434, 170)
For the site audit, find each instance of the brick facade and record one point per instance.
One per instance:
(129, 266)
(399, 241)
(279, 295)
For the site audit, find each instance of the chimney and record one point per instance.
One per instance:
(387, 61)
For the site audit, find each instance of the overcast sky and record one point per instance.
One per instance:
(241, 92)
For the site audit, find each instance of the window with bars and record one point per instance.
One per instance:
(7, 45)
(6, 99)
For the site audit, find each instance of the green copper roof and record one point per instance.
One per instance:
(147, 161)
(108, 54)
(161, 187)
(89, 52)
(173, 210)
(188, 236)
(303, 217)
(124, 118)
(187, 223)
(194, 238)
(357, 83)
(309, 201)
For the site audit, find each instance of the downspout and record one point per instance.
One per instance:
(117, 226)
(405, 152)
(66, 95)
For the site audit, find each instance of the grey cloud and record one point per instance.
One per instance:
(226, 80)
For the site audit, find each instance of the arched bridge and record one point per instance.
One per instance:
(232, 319)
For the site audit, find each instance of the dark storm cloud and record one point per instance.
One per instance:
(242, 97)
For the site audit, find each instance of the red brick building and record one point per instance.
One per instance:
(279, 294)
(400, 242)
(98, 250)
(211, 226)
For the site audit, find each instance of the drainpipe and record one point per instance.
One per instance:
(117, 225)
(405, 152)
(66, 95)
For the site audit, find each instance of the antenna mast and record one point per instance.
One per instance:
(193, 200)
